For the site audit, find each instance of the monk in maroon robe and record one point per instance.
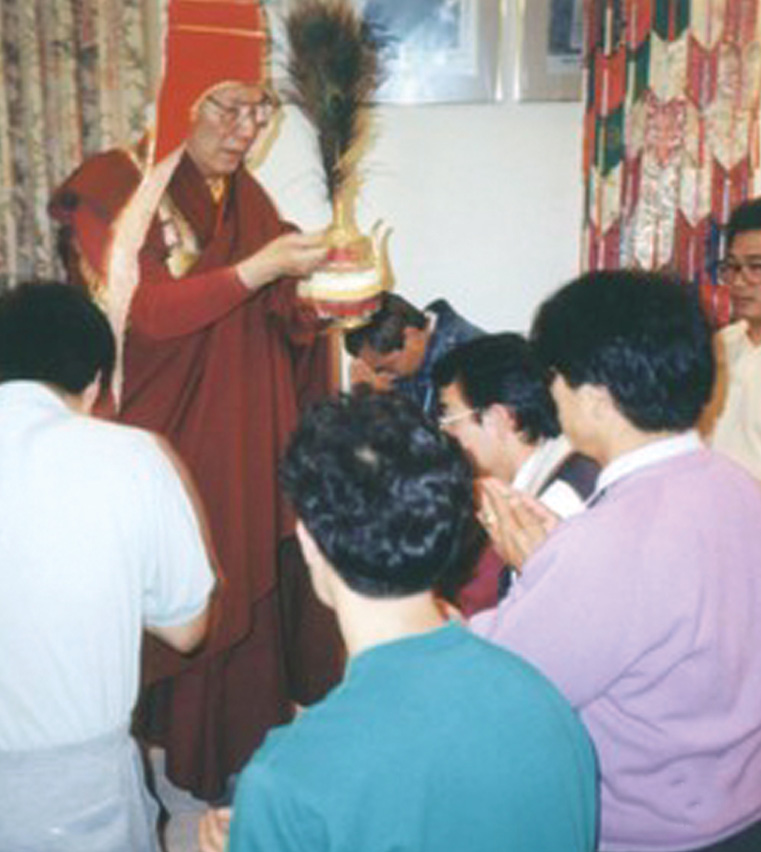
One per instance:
(220, 356)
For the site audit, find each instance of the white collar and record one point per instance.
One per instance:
(525, 472)
(652, 453)
(547, 455)
(24, 392)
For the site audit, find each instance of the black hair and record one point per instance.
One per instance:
(501, 369)
(384, 493)
(643, 336)
(745, 217)
(54, 333)
(385, 331)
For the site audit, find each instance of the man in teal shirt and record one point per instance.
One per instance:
(434, 740)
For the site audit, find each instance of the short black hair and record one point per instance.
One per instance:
(54, 333)
(501, 369)
(384, 332)
(641, 335)
(384, 493)
(745, 217)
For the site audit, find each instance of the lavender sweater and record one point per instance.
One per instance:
(646, 612)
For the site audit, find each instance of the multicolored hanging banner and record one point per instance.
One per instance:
(671, 133)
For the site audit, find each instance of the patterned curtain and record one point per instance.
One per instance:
(73, 81)
(671, 133)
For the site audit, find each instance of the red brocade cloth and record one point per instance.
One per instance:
(223, 373)
(670, 134)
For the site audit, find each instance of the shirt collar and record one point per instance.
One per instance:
(650, 454)
(545, 458)
(431, 350)
(526, 471)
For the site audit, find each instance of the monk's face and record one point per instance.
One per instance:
(226, 123)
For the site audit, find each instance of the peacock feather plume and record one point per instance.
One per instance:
(335, 67)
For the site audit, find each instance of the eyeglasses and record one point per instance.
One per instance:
(750, 267)
(234, 115)
(449, 419)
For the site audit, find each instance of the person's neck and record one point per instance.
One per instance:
(367, 622)
(80, 403)
(754, 333)
(518, 453)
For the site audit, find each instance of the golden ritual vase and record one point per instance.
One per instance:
(347, 288)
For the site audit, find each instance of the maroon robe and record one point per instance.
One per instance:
(222, 373)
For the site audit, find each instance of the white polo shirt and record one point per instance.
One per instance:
(98, 538)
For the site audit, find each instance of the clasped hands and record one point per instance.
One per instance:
(515, 522)
(361, 373)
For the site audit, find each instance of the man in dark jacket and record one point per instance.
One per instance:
(399, 347)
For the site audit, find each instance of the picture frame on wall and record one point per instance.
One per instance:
(549, 50)
(439, 51)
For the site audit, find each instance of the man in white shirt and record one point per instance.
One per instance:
(737, 401)
(99, 540)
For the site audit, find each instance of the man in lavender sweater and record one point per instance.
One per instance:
(644, 610)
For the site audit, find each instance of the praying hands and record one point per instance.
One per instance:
(516, 523)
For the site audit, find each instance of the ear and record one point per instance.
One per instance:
(318, 565)
(412, 334)
(598, 401)
(500, 417)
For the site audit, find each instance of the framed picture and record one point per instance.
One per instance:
(438, 50)
(550, 50)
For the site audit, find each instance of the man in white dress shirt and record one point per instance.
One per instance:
(98, 541)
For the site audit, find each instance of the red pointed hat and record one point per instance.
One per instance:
(208, 42)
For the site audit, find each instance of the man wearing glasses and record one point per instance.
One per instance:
(220, 356)
(738, 428)
(495, 401)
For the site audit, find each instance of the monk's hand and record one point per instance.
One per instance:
(361, 373)
(214, 829)
(291, 255)
(516, 523)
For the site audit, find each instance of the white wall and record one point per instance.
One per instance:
(485, 200)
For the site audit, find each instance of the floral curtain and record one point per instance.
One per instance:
(671, 133)
(73, 81)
